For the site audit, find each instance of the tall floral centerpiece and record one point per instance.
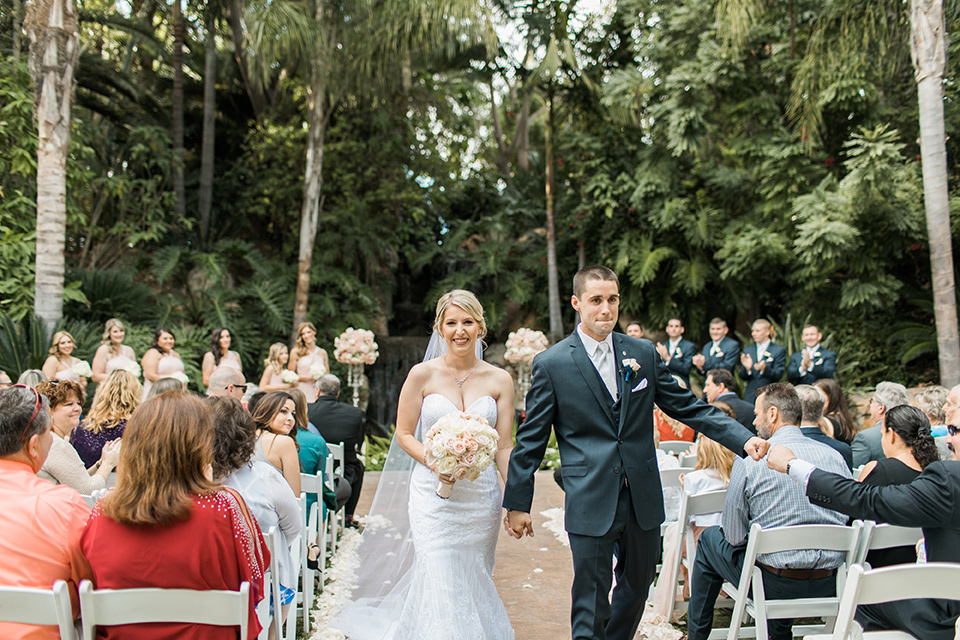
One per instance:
(355, 348)
(522, 345)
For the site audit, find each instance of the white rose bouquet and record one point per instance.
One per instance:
(356, 346)
(82, 369)
(317, 370)
(133, 369)
(523, 344)
(290, 377)
(179, 375)
(462, 445)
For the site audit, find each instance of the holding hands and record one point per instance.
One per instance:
(518, 524)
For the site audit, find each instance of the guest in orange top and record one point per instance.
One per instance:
(40, 523)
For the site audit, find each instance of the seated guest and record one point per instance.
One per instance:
(63, 464)
(163, 385)
(678, 353)
(932, 400)
(721, 352)
(262, 487)
(340, 423)
(762, 362)
(931, 501)
(866, 444)
(276, 420)
(670, 429)
(254, 400)
(757, 495)
(168, 525)
(312, 451)
(811, 404)
(40, 523)
(949, 408)
(813, 362)
(720, 386)
(113, 404)
(837, 421)
(32, 377)
(226, 381)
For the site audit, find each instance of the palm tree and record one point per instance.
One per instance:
(177, 130)
(205, 199)
(54, 50)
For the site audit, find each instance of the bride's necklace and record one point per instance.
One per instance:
(454, 373)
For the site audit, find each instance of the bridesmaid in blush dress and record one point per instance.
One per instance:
(160, 360)
(112, 354)
(274, 366)
(219, 354)
(305, 356)
(59, 363)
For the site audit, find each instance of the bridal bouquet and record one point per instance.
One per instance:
(290, 377)
(462, 445)
(317, 370)
(523, 344)
(82, 369)
(133, 369)
(355, 346)
(179, 375)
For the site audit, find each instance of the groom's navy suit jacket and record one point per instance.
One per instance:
(596, 450)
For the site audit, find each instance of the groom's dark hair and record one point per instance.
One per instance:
(593, 272)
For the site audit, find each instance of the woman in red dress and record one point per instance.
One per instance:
(168, 525)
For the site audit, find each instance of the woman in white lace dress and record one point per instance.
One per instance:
(448, 591)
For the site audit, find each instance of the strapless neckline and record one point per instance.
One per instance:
(454, 405)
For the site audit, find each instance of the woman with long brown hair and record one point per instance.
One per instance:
(836, 421)
(220, 354)
(276, 420)
(168, 525)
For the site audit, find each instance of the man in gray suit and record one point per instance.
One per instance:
(596, 390)
(866, 445)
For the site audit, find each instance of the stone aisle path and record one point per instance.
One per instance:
(533, 575)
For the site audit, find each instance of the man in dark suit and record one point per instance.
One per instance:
(931, 502)
(340, 423)
(719, 385)
(811, 402)
(678, 353)
(596, 390)
(721, 352)
(763, 362)
(813, 362)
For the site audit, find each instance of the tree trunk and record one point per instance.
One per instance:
(54, 51)
(503, 165)
(17, 7)
(930, 59)
(523, 132)
(180, 206)
(553, 287)
(235, 19)
(209, 124)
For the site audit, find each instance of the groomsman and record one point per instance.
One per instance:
(721, 352)
(763, 362)
(678, 353)
(634, 330)
(813, 362)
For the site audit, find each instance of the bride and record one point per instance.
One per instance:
(426, 563)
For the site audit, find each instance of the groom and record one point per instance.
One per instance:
(596, 389)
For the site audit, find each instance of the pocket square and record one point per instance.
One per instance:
(640, 387)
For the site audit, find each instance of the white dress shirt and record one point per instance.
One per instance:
(606, 368)
(762, 349)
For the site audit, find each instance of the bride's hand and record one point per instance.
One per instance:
(446, 478)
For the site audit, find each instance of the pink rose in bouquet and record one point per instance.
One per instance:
(462, 445)
(523, 344)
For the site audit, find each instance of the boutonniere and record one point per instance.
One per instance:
(816, 354)
(678, 353)
(631, 366)
(715, 351)
(768, 357)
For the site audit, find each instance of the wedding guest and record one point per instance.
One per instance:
(811, 404)
(932, 400)
(40, 523)
(226, 381)
(634, 330)
(274, 366)
(59, 364)
(311, 447)
(219, 354)
(160, 360)
(254, 400)
(163, 385)
(168, 525)
(678, 353)
(812, 362)
(953, 401)
(308, 360)
(116, 399)
(837, 422)
(32, 377)
(5, 381)
(720, 385)
(721, 352)
(763, 362)
(63, 464)
(262, 487)
(112, 354)
(866, 444)
(276, 420)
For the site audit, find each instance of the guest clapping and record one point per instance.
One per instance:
(168, 525)
(112, 354)
(274, 366)
(160, 360)
(275, 418)
(115, 401)
(63, 464)
(308, 360)
(60, 364)
(219, 354)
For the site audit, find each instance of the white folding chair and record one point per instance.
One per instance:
(39, 607)
(687, 460)
(332, 523)
(940, 580)
(315, 533)
(675, 447)
(762, 541)
(884, 536)
(271, 577)
(109, 607)
(670, 479)
(298, 551)
(91, 499)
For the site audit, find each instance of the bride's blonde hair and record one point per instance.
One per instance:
(465, 300)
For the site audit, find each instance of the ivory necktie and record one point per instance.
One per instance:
(607, 369)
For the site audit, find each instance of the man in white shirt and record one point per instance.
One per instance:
(678, 353)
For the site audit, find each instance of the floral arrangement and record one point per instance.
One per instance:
(317, 370)
(82, 369)
(523, 344)
(462, 445)
(133, 369)
(355, 346)
(291, 377)
(179, 375)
